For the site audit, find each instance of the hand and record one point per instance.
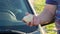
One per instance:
(31, 20)
(34, 22)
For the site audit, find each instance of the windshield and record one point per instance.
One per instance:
(18, 7)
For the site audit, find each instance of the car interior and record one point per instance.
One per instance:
(11, 14)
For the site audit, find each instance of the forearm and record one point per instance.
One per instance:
(48, 14)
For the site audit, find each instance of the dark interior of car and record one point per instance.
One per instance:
(11, 14)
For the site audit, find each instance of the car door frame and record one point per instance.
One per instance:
(39, 26)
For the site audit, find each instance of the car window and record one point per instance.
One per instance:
(18, 7)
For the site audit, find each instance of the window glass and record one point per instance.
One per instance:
(18, 7)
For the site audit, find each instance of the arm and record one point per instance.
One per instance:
(48, 14)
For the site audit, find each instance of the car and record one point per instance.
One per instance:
(11, 14)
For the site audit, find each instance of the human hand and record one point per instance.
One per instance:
(34, 22)
(31, 20)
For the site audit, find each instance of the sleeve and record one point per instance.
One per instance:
(58, 31)
(53, 2)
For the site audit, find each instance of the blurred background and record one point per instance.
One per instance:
(39, 6)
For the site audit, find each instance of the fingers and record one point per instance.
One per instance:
(31, 23)
(31, 20)
(34, 22)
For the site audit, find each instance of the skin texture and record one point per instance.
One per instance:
(45, 17)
